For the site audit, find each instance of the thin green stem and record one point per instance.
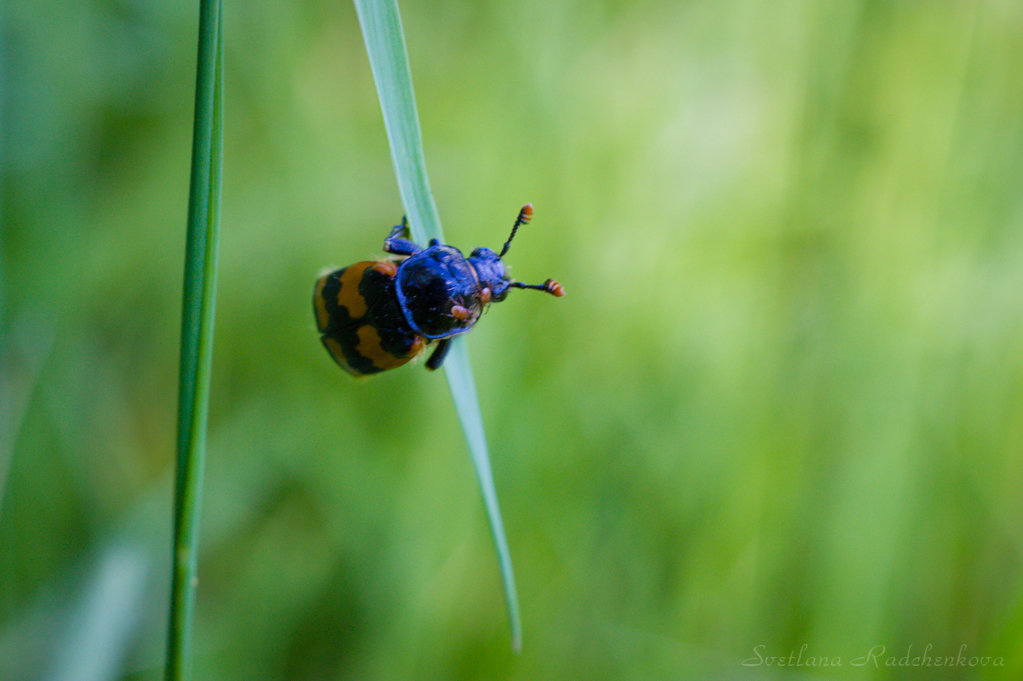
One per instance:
(197, 330)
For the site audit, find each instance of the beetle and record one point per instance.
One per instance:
(379, 314)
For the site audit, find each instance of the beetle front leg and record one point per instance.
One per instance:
(394, 243)
(437, 358)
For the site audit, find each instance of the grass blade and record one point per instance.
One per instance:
(197, 330)
(463, 390)
(388, 58)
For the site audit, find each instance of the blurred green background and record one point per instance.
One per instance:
(779, 411)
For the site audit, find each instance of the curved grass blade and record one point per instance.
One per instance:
(463, 390)
(388, 59)
(197, 330)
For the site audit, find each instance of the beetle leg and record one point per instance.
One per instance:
(394, 243)
(437, 358)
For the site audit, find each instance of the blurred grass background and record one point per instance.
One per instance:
(780, 405)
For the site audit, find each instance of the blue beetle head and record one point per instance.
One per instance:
(491, 273)
(490, 270)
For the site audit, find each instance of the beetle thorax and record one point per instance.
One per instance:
(438, 292)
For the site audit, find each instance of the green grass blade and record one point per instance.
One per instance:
(197, 330)
(388, 58)
(463, 390)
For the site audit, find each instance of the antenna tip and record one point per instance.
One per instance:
(526, 214)
(554, 288)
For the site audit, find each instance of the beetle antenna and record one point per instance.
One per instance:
(550, 286)
(525, 215)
